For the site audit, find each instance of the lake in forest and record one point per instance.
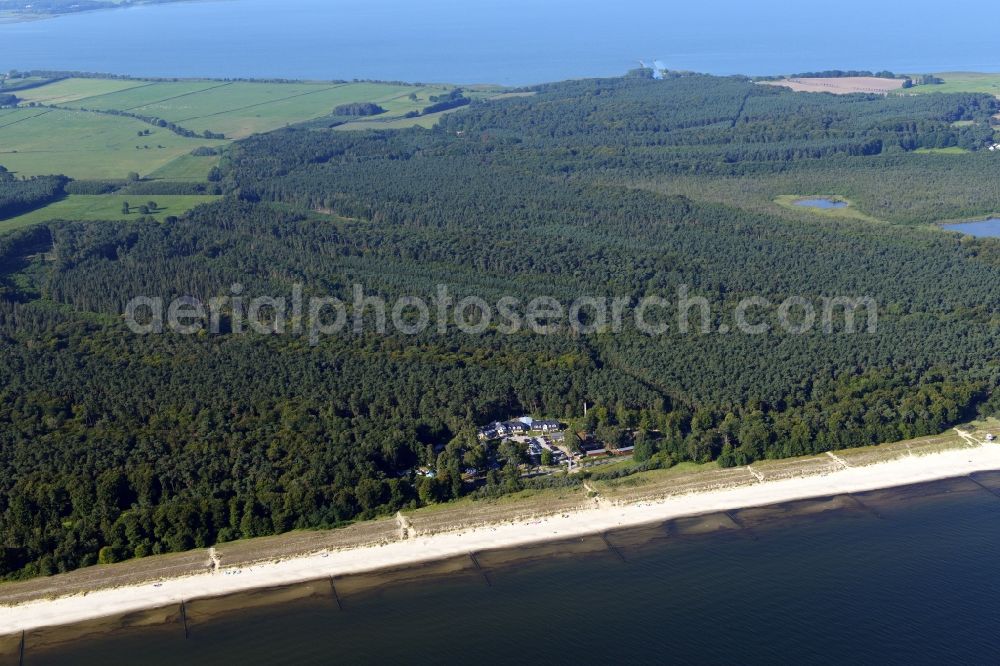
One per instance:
(989, 228)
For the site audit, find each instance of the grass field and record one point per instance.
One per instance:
(139, 94)
(105, 207)
(960, 82)
(954, 150)
(236, 109)
(86, 145)
(428, 121)
(396, 108)
(186, 168)
(70, 135)
(14, 84)
(71, 90)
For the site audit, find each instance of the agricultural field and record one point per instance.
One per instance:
(106, 207)
(20, 82)
(76, 127)
(960, 82)
(237, 108)
(72, 128)
(844, 85)
(38, 141)
(186, 168)
(71, 90)
(385, 123)
(393, 120)
(954, 82)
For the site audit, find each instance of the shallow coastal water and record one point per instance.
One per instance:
(984, 229)
(820, 202)
(895, 576)
(509, 42)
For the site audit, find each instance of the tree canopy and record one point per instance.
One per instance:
(115, 445)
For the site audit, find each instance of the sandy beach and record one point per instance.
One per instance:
(604, 516)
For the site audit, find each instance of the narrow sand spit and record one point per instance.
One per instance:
(105, 602)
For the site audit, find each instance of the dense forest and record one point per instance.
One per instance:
(114, 445)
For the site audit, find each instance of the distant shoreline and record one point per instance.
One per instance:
(14, 16)
(908, 470)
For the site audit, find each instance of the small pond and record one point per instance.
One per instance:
(984, 228)
(820, 202)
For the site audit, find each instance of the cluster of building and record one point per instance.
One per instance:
(592, 448)
(521, 426)
(541, 435)
(994, 147)
(538, 445)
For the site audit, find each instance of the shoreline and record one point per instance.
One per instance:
(605, 516)
(20, 16)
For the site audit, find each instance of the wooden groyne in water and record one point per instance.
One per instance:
(336, 596)
(612, 547)
(480, 569)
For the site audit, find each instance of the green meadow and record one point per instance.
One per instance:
(17, 84)
(287, 107)
(951, 150)
(428, 121)
(71, 90)
(134, 98)
(186, 168)
(237, 108)
(106, 207)
(76, 127)
(72, 131)
(960, 82)
(37, 141)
